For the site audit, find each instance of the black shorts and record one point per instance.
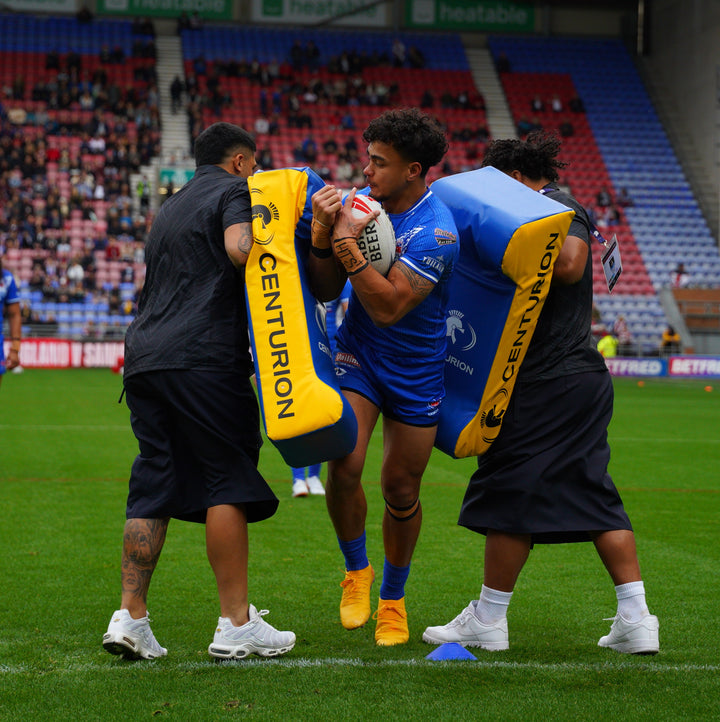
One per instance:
(199, 439)
(546, 474)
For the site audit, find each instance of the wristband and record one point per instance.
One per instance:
(349, 254)
(321, 252)
(319, 234)
(357, 270)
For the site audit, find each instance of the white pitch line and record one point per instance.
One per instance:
(649, 664)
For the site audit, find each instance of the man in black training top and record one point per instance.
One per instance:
(193, 408)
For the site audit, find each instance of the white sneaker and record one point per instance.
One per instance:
(633, 637)
(132, 638)
(466, 629)
(315, 485)
(300, 488)
(254, 637)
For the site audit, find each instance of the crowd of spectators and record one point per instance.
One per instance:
(80, 122)
(70, 142)
(291, 91)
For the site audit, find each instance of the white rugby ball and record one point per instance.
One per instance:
(377, 240)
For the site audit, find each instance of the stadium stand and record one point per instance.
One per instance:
(619, 144)
(322, 89)
(78, 115)
(267, 73)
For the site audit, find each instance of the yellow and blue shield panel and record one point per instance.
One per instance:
(305, 414)
(510, 237)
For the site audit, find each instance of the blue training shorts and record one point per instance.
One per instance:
(405, 389)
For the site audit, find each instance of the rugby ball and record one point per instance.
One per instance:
(377, 240)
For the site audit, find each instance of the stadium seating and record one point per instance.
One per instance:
(621, 145)
(618, 142)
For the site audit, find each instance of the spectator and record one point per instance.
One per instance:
(608, 345)
(416, 57)
(262, 125)
(603, 197)
(398, 53)
(427, 100)
(680, 278)
(576, 104)
(670, 343)
(623, 198)
(177, 88)
(502, 63)
(622, 333)
(566, 129)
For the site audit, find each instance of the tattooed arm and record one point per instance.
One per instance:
(387, 300)
(238, 242)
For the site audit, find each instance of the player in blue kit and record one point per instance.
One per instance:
(10, 304)
(390, 354)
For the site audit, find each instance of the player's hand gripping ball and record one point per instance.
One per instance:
(377, 240)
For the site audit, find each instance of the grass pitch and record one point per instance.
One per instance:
(65, 454)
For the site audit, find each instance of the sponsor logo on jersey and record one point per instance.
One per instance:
(346, 359)
(444, 237)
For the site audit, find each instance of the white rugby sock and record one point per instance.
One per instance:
(631, 601)
(492, 605)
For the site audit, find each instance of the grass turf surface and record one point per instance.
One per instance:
(65, 455)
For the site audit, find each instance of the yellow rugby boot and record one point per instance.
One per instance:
(355, 602)
(392, 626)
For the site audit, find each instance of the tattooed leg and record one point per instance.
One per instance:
(142, 543)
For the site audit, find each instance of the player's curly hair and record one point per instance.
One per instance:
(413, 134)
(535, 157)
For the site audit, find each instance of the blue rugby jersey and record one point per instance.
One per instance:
(427, 241)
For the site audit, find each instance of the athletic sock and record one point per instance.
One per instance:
(492, 606)
(314, 470)
(631, 601)
(393, 583)
(298, 472)
(355, 553)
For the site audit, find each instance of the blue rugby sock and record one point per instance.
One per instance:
(355, 553)
(393, 583)
(298, 472)
(314, 470)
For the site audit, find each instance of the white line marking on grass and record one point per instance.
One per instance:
(650, 664)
